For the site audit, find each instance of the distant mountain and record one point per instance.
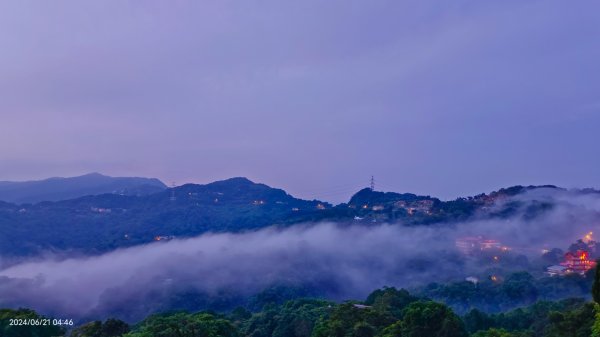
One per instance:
(100, 223)
(55, 189)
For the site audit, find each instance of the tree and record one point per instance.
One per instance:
(114, 328)
(520, 286)
(363, 329)
(500, 333)
(91, 329)
(348, 319)
(492, 333)
(391, 300)
(596, 284)
(431, 319)
(185, 325)
(477, 320)
(111, 328)
(572, 323)
(295, 318)
(596, 326)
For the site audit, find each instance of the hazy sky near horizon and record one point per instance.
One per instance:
(442, 98)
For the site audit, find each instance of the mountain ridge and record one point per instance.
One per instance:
(99, 223)
(59, 188)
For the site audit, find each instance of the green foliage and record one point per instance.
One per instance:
(573, 317)
(280, 293)
(429, 319)
(520, 286)
(382, 308)
(348, 319)
(596, 284)
(91, 329)
(363, 329)
(184, 325)
(534, 319)
(387, 312)
(517, 290)
(390, 300)
(596, 325)
(27, 330)
(477, 320)
(575, 323)
(110, 328)
(501, 333)
(293, 319)
(240, 314)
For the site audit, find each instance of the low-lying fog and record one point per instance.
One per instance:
(348, 260)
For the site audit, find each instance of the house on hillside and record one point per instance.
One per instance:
(578, 262)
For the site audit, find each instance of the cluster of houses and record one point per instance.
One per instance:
(578, 262)
(421, 206)
(578, 259)
(411, 207)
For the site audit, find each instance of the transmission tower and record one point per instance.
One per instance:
(372, 183)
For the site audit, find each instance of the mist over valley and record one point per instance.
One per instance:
(375, 240)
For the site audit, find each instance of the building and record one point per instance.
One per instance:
(578, 262)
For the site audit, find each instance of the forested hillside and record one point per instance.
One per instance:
(386, 312)
(100, 223)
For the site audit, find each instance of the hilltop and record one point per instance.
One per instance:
(55, 189)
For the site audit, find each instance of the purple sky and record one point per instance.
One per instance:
(445, 98)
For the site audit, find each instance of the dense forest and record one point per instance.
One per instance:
(386, 312)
